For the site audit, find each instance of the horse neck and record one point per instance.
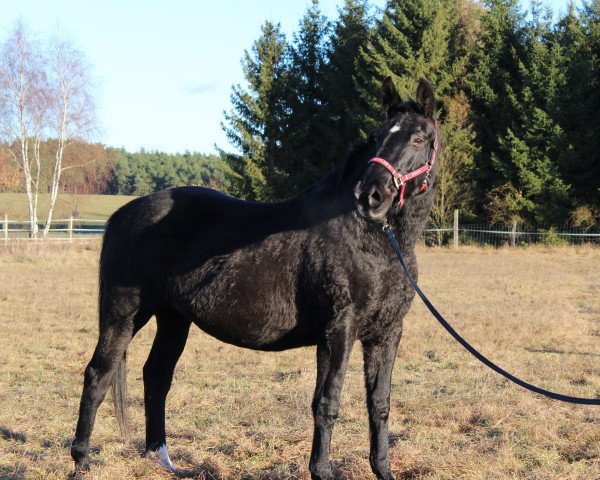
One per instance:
(323, 205)
(334, 214)
(331, 204)
(412, 219)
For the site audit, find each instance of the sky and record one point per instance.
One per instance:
(163, 69)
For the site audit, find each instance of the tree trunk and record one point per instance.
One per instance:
(31, 204)
(56, 171)
(57, 167)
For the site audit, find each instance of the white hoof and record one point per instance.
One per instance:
(163, 459)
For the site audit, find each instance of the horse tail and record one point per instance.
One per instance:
(119, 381)
(110, 245)
(119, 395)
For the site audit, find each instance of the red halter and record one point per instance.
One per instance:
(400, 180)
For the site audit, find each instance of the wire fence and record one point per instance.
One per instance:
(74, 229)
(499, 236)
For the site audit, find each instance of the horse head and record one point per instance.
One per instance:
(406, 149)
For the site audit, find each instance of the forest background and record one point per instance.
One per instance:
(518, 101)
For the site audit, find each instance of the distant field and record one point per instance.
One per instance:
(236, 414)
(88, 206)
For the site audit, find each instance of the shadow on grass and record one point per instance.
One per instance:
(17, 473)
(190, 469)
(413, 473)
(277, 471)
(561, 352)
(9, 434)
(203, 471)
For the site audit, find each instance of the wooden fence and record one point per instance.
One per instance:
(62, 230)
(75, 229)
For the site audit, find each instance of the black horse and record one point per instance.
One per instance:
(313, 270)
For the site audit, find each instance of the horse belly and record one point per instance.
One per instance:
(254, 308)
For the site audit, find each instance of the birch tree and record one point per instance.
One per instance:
(45, 92)
(23, 103)
(72, 108)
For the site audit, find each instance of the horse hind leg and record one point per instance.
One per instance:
(116, 331)
(171, 336)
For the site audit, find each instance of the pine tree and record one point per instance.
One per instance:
(515, 86)
(253, 126)
(455, 182)
(492, 83)
(306, 130)
(350, 32)
(410, 41)
(539, 178)
(578, 35)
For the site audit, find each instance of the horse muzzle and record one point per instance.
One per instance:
(373, 201)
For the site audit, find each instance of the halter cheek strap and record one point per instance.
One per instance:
(400, 180)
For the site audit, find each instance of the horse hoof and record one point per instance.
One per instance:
(81, 466)
(162, 455)
(82, 462)
(387, 476)
(327, 476)
(322, 474)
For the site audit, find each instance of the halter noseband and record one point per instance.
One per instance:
(400, 180)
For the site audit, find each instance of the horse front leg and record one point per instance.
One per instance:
(379, 357)
(332, 360)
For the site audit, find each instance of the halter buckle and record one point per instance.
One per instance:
(397, 182)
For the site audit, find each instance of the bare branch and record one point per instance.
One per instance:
(45, 93)
(81, 165)
(23, 105)
(73, 110)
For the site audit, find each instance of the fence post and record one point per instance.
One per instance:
(513, 234)
(71, 228)
(456, 228)
(5, 228)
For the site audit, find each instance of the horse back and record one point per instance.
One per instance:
(233, 267)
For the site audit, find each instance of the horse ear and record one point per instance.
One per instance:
(425, 97)
(389, 95)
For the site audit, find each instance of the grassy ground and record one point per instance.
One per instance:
(88, 206)
(236, 414)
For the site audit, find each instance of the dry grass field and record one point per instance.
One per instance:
(236, 414)
(89, 206)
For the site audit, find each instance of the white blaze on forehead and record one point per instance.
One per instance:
(395, 128)
(163, 458)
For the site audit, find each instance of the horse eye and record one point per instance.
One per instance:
(418, 141)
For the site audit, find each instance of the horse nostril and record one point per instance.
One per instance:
(375, 199)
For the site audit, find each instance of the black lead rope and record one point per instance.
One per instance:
(557, 396)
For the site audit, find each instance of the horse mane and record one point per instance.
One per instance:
(354, 162)
(409, 105)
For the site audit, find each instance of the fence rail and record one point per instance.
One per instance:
(75, 229)
(61, 230)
